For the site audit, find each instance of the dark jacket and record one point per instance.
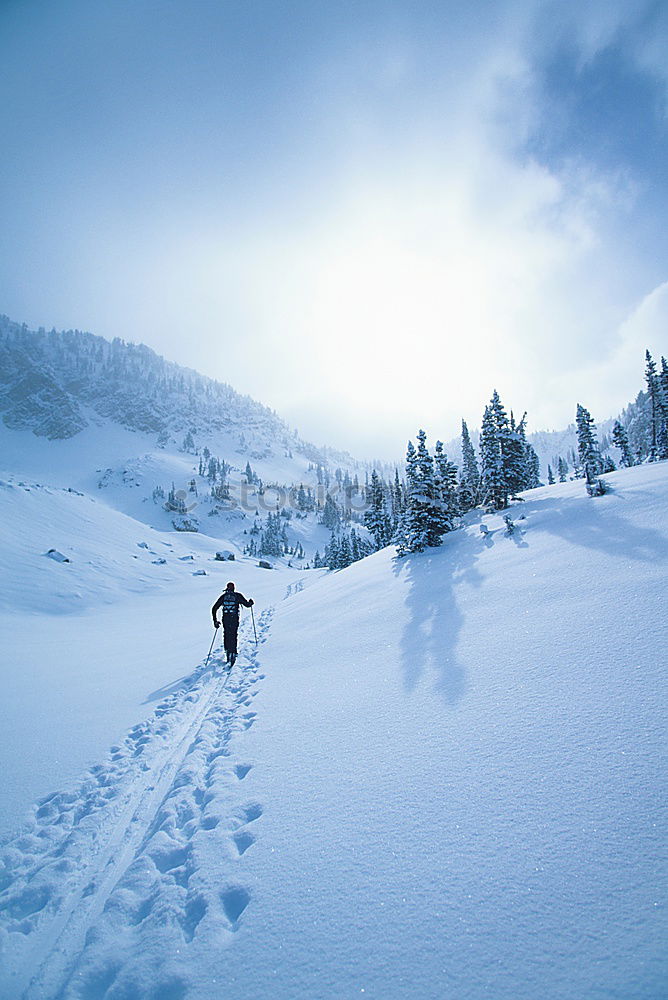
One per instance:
(230, 601)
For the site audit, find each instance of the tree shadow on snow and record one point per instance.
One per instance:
(597, 526)
(429, 640)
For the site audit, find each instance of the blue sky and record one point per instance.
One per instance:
(366, 215)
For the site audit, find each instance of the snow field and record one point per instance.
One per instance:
(436, 776)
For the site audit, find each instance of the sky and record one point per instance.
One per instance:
(366, 215)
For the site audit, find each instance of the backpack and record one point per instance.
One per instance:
(230, 604)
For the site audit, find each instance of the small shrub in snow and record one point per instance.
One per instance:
(598, 488)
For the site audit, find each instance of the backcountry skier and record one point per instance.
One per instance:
(229, 601)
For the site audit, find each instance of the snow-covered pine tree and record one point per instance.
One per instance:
(273, 539)
(589, 454)
(331, 557)
(398, 501)
(550, 476)
(620, 440)
(494, 439)
(429, 500)
(421, 520)
(376, 518)
(653, 391)
(562, 469)
(490, 458)
(410, 533)
(515, 458)
(532, 468)
(504, 436)
(469, 484)
(662, 394)
(345, 555)
(331, 516)
(446, 489)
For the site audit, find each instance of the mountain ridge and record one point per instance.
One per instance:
(56, 383)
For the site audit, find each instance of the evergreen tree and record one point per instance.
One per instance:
(662, 400)
(446, 489)
(469, 486)
(494, 489)
(532, 468)
(332, 553)
(653, 392)
(589, 454)
(398, 501)
(345, 555)
(410, 533)
(621, 440)
(562, 469)
(506, 440)
(427, 499)
(422, 518)
(550, 476)
(376, 518)
(515, 462)
(273, 539)
(331, 517)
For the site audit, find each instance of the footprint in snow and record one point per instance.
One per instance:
(235, 899)
(242, 841)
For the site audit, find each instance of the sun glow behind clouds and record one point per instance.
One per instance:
(427, 288)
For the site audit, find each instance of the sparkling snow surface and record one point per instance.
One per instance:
(433, 777)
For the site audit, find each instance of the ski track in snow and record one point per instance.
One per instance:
(120, 857)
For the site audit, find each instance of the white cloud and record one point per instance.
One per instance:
(606, 386)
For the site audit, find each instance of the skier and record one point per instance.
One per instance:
(230, 601)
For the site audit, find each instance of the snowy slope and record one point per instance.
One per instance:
(437, 776)
(120, 469)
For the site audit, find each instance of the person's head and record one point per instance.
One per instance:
(230, 586)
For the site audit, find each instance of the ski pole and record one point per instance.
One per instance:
(215, 633)
(254, 629)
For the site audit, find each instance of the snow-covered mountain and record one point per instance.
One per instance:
(434, 776)
(58, 383)
(131, 430)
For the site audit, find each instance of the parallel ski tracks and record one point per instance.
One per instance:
(59, 945)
